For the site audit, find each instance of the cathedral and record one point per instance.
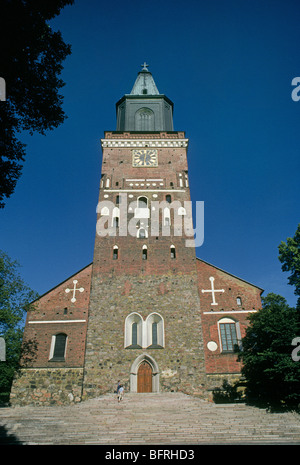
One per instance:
(146, 312)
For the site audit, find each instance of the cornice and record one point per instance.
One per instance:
(142, 143)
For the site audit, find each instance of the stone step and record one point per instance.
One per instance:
(162, 418)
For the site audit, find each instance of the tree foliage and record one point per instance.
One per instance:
(271, 374)
(15, 298)
(289, 256)
(31, 62)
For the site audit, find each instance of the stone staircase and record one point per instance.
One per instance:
(149, 419)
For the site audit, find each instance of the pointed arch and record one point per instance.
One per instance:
(155, 330)
(172, 251)
(133, 331)
(134, 371)
(144, 252)
(115, 252)
(142, 233)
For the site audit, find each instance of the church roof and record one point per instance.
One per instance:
(144, 83)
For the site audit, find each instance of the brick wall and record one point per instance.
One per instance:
(130, 284)
(55, 313)
(96, 354)
(217, 361)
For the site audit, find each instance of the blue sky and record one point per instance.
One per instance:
(228, 67)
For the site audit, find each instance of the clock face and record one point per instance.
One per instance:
(144, 158)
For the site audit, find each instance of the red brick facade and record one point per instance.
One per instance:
(146, 298)
(54, 314)
(235, 304)
(58, 313)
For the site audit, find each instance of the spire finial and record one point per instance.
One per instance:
(145, 66)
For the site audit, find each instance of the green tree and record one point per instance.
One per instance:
(15, 298)
(289, 256)
(31, 62)
(272, 376)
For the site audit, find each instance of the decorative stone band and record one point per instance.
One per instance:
(222, 312)
(144, 143)
(55, 321)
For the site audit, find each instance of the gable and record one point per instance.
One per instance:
(72, 294)
(58, 321)
(222, 291)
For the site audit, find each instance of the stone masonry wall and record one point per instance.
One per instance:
(175, 298)
(37, 386)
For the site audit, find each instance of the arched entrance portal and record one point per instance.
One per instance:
(144, 374)
(144, 377)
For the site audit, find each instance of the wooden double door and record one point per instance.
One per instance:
(144, 381)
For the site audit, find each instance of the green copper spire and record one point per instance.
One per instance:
(144, 84)
(144, 109)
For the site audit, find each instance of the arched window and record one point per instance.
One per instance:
(145, 252)
(58, 347)
(167, 217)
(133, 331)
(134, 334)
(141, 334)
(142, 233)
(115, 252)
(155, 331)
(239, 301)
(142, 202)
(172, 251)
(168, 198)
(142, 211)
(115, 217)
(144, 120)
(229, 335)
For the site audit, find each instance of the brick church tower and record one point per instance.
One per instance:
(144, 317)
(147, 311)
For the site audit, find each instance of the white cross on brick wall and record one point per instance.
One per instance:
(212, 290)
(80, 289)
